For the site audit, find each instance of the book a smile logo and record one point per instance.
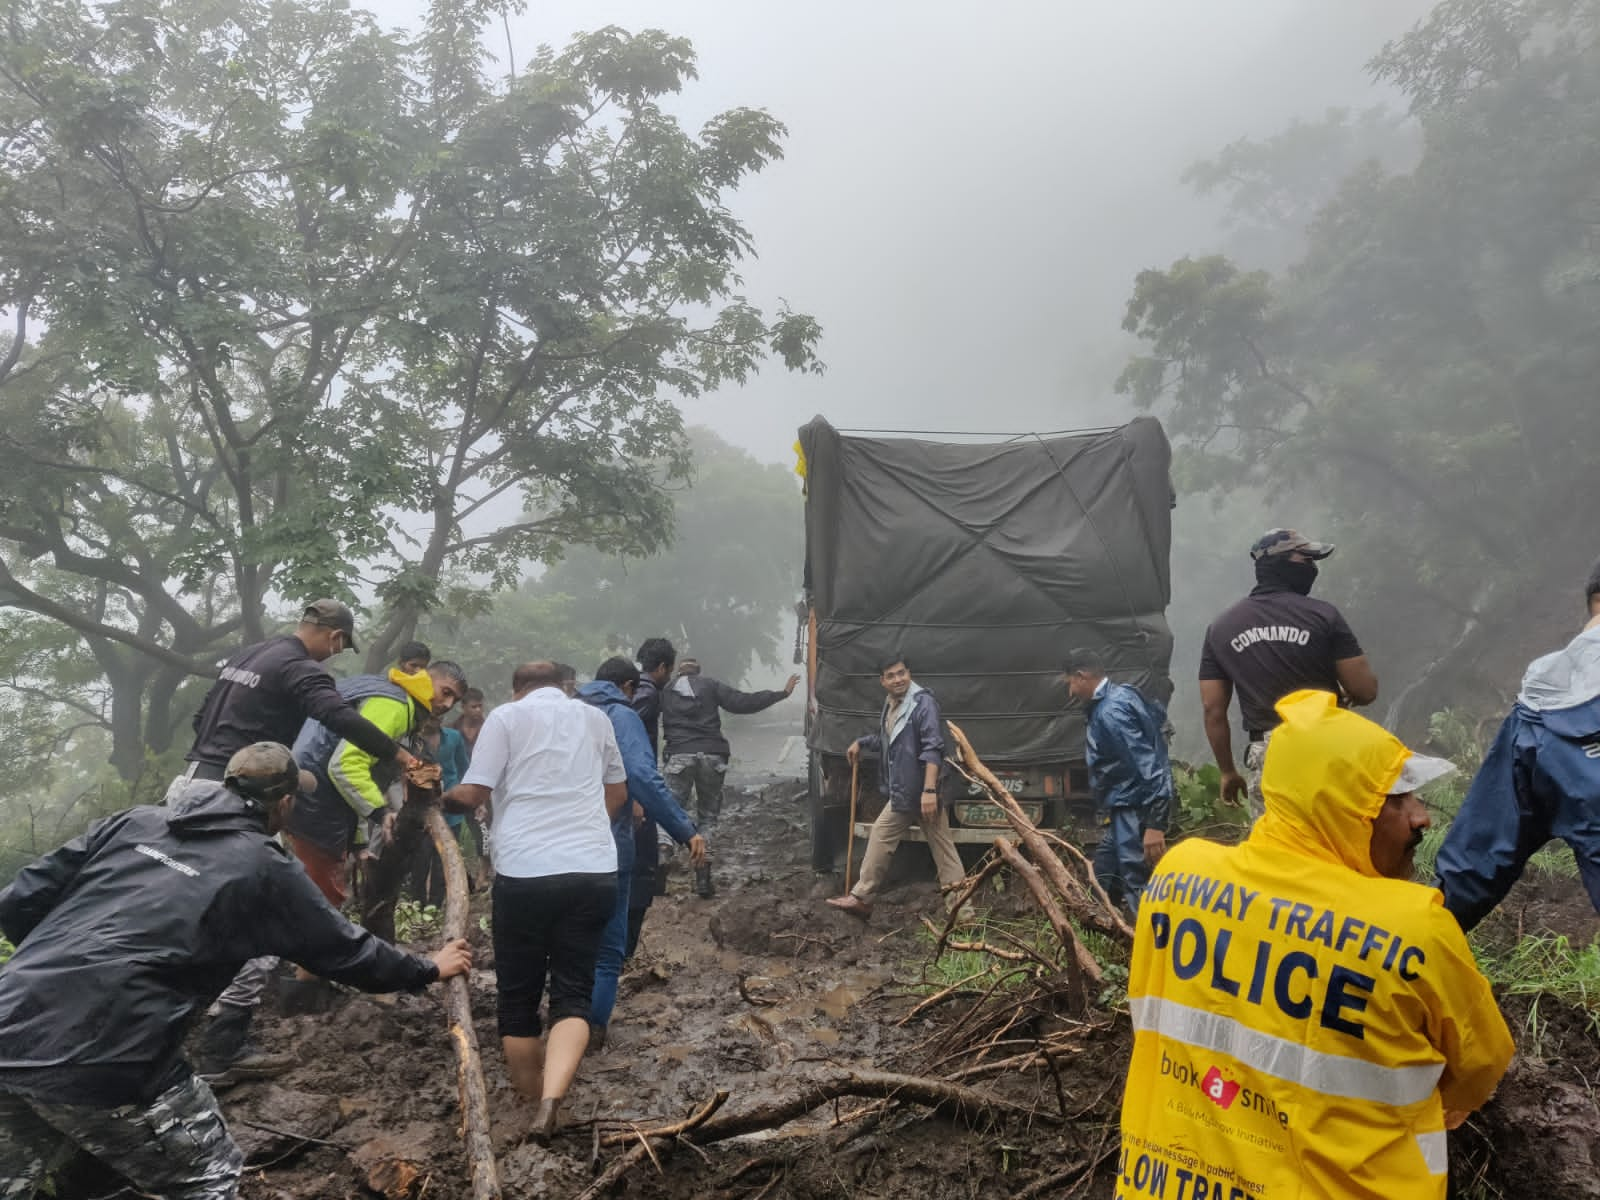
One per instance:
(1220, 1090)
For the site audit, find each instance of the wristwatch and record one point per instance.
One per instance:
(930, 791)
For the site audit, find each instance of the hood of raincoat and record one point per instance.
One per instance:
(417, 684)
(1327, 774)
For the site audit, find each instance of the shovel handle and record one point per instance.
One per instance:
(850, 840)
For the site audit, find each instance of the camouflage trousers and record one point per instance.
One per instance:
(703, 775)
(177, 1148)
(1255, 757)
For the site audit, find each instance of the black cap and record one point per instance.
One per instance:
(333, 615)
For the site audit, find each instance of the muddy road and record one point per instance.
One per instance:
(761, 988)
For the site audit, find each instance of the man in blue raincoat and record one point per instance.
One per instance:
(612, 693)
(1129, 774)
(1541, 780)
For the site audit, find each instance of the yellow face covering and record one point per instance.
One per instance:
(418, 685)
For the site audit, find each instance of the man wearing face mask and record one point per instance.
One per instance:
(1275, 641)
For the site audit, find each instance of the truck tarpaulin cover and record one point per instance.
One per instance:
(984, 565)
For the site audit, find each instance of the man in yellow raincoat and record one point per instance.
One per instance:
(1307, 1020)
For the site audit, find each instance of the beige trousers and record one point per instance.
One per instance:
(887, 831)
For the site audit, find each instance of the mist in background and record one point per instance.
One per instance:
(967, 193)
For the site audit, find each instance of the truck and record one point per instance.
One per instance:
(982, 564)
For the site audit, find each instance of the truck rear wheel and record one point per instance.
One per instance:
(824, 822)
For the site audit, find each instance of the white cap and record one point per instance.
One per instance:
(1421, 770)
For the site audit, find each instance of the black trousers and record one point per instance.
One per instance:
(547, 930)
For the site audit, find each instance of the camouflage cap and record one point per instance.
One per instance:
(1287, 541)
(262, 768)
(333, 614)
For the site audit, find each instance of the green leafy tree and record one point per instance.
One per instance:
(720, 589)
(1274, 187)
(1424, 373)
(299, 301)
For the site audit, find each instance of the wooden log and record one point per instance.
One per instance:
(458, 1002)
(1089, 909)
(951, 1099)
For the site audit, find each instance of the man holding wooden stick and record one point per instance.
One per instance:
(910, 745)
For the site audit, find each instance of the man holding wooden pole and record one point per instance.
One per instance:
(910, 746)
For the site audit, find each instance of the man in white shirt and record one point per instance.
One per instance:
(553, 770)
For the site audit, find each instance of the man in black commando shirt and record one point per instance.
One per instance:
(265, 693)
(1275, 641)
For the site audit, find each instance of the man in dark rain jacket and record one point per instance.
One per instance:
(657, 656)
(1129, 775)
(122, 935)
(1541, 780)
(615, 684)
(910, 748)
(696, 751)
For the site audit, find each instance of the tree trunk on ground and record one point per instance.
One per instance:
(463, 1035)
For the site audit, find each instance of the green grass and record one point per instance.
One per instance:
(6, 950)
(414, 920)
(953, 967)
(1538, 967)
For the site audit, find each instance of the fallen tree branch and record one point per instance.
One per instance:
(941, 996)
(699, 1117)
(978, 947)
(973, 883)
(1094, 885)
(1080, 964)
(941, 1096)
(293, 1135)
(613, 1174)
(458, 1002)
(1093, 911)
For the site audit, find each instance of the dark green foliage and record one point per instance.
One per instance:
(305, 307)
(1422, 377)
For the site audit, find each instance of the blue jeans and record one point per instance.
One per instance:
(1119, 859)
(613, 949)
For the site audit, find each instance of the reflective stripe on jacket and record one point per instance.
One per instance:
(1301, 1023)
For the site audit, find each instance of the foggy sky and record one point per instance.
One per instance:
(968, 189)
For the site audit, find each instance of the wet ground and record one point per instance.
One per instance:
(750, 991)
(755, 990)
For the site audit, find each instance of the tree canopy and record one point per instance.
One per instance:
(300, 303)
(1423, 372)
(721, 589)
